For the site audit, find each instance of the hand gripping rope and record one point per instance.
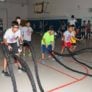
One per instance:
(10, 68)
(24, 65)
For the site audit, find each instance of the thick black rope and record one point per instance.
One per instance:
(35, 66)
(24, 65)
(71, 54)
(74, 53)
(28, 71)
(79, 72)
(90, 67)
(10, 68)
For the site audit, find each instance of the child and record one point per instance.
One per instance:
(73, 39)
(67, 39)
(72, 21)
(88, 30)
(83, 31)
(10, 40)
(27, 34)
(47, 42)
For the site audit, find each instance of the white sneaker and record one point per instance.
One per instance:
(59, 57)
(53, 59)
(21, 69)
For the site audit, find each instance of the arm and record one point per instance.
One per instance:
(5, 38)
(5, 42)
(19, 37)
(52, 42)
(44, 41)
(63, 38)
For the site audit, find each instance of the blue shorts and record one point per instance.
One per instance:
(45, 50)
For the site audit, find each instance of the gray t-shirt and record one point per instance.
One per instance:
(27, 32)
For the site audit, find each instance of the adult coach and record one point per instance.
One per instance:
(72, 21)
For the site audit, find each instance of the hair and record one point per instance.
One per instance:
(51, 28)
(14, 23)
(84, 20)
(18, 17)
(70, 26)
(88, 20)
(27, 21)
(72, 16)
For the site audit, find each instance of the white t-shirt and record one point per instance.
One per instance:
(72, 21)
(11, 36)
(27, 32)
(67, 36)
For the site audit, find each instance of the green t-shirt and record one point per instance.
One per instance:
(48, 39)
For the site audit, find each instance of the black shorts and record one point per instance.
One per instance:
(14, 48)
(13, 51)
(26, 43)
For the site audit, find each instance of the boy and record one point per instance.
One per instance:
(83, 29)
(67, 39)
(10, 40)
(88, 30)
(73, 39)
(47, 42)
(27, 34)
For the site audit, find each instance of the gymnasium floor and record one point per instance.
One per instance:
(54, 77)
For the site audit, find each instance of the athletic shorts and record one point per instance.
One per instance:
(13, 51)
(45, 50)
(14, 48)
(67, 44)
(26, 43)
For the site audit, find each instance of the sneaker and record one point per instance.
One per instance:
(59, 57)
(53, 59)
(21, 69)
(6, 73)
(76, 56)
